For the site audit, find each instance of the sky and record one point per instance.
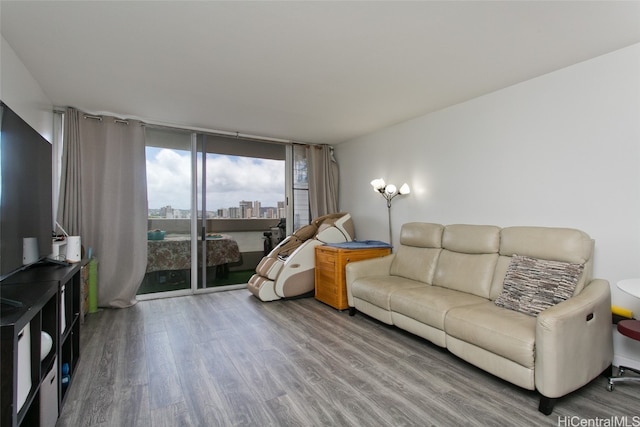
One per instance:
(230, 179)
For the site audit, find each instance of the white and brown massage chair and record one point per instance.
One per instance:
(288, 270)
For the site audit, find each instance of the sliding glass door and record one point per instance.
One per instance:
(241, 196)
(169, 196)
(216, 205)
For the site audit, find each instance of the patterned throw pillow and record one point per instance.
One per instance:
(532, 285)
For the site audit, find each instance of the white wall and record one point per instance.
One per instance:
(22, 93)
(559, 150)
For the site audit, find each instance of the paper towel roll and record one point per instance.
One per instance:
(29, 250)
(74, 249)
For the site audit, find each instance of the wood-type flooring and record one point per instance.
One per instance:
(227, 359)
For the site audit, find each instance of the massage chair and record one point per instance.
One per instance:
(288, 270)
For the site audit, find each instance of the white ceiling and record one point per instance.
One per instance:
(322, 72)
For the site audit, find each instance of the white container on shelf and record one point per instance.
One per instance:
(59, 250)
(46, 344)
(74, 249)
(49, 397)
(29, 250)
(63, 316)
(24, 365)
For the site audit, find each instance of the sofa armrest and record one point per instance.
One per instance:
(369, 267)
(574, 341)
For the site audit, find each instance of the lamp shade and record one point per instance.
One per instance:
(378, 184)
(390, 189)
(404, 189)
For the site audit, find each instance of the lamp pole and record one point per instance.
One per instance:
(389, 215)
(389, 191)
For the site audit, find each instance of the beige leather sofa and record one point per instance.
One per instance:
(472, 289)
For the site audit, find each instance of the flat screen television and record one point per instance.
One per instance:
(25, 192)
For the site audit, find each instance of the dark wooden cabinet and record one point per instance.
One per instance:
(43, 298)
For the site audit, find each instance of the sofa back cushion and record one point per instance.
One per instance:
(468, 258)
(546, 243)
(420, 247)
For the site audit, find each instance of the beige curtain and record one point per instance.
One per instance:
(69, 214)
(323, 180)
(112, 202)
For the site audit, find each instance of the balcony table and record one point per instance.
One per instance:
(630, 286)
(174, 252)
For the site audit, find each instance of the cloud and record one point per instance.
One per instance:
(230, 179)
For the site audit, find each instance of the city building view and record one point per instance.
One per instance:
(244, 210)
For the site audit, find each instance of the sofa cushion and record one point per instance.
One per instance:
(421, 234)
(532, 285)
(465, 272)
(415, 263)
(417, 255)
(560, 244)
(377, 290)
(429, 304)
(471, 239)
(468, 258)
(553, 243)
(507, 333)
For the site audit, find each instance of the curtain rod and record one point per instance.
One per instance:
(236, 135)
(99, 118)
(214, 132)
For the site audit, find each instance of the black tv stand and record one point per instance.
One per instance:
(11, 302)
(39, 297)
(47, 261)
(40, 263)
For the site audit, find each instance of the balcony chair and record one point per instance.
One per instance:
(629, 328)
(288, 270)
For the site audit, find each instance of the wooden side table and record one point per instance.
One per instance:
(331, 287)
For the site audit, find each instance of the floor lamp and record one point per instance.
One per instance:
(389, 191)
